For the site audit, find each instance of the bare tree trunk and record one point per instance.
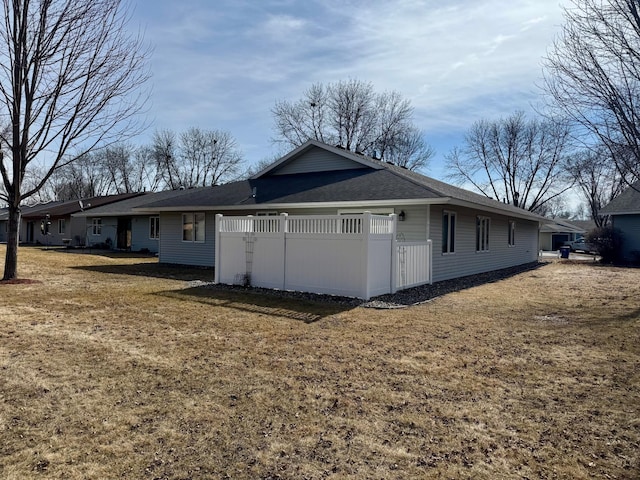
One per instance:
(13, 235)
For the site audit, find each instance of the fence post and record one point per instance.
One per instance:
(430, 260)
(284, 227)
(366, 234)
(393, 288)
(217, 249)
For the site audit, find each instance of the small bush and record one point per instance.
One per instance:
(608, 242)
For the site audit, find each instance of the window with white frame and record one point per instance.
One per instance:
(193, 227)
(61, 225)
(267, 213)
(448, 232)
(96, 226)
(154, 228)
(512, 233)
(482, 234)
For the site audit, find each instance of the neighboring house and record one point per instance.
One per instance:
(624, 211)
(133, 230)
(63, 229)
(555, 232)
(470, 233)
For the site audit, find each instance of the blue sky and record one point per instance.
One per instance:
(222, 64)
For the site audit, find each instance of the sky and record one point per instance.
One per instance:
(222, 64)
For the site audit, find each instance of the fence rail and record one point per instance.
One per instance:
(306, 224)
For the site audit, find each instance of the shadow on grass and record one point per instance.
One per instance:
(154, 270)
(253, 301)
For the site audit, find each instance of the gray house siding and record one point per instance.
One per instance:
(316, 160)
(140, 235)
(465, 260)
(174, 250)
(629, 225)
(4, 225)
(109, 231)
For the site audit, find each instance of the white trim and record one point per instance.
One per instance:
(373, 211)
(350, 204)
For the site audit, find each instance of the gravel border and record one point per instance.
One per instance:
(401, 299)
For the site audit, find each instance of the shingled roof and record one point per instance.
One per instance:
(627, 203)
(125, 207)
(371, 181)
(67, 207)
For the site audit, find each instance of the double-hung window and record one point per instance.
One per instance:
(154, 228)
(61, 226)
(512, 233)
(96, 226)
(482, 234)
(193, 227)
(448, 232)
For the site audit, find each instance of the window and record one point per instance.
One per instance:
(193, 227)
(482, 234)
(154, 227)
(61, 225)
(448, 232)
(512, 233)
(267, 213)
(96, 226)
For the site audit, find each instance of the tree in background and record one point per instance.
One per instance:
(70, 78)
(592, 75)
(351, 114)
(195, 158)
(597, 179)
(514, 160)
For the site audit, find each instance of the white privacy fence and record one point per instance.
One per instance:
(349, 255)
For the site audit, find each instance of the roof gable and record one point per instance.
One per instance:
(315, 156)
(627, 203)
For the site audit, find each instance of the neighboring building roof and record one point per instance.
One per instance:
(31, 210)
(125, 207)
(627, 203)
(560, 225)
(68, 207)
(369, 182)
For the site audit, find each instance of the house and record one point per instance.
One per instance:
(556, 232)
(134, 231)
(624, 211)
(52, 223)
(470, 233)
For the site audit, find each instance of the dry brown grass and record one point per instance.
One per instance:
(136, 375)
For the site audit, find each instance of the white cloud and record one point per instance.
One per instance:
(219, 62)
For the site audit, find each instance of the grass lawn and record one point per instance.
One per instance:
(114, 367)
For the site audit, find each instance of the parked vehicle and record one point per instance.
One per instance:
(581, 246)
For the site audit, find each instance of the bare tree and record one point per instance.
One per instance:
(70, 78)
(514, 160)
(597, 178)
(352, 115)
(130, 169)
(199, 158)
(592, 75)
(164, 153)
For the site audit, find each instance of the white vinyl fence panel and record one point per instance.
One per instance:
(348, 255)
(413, 266)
